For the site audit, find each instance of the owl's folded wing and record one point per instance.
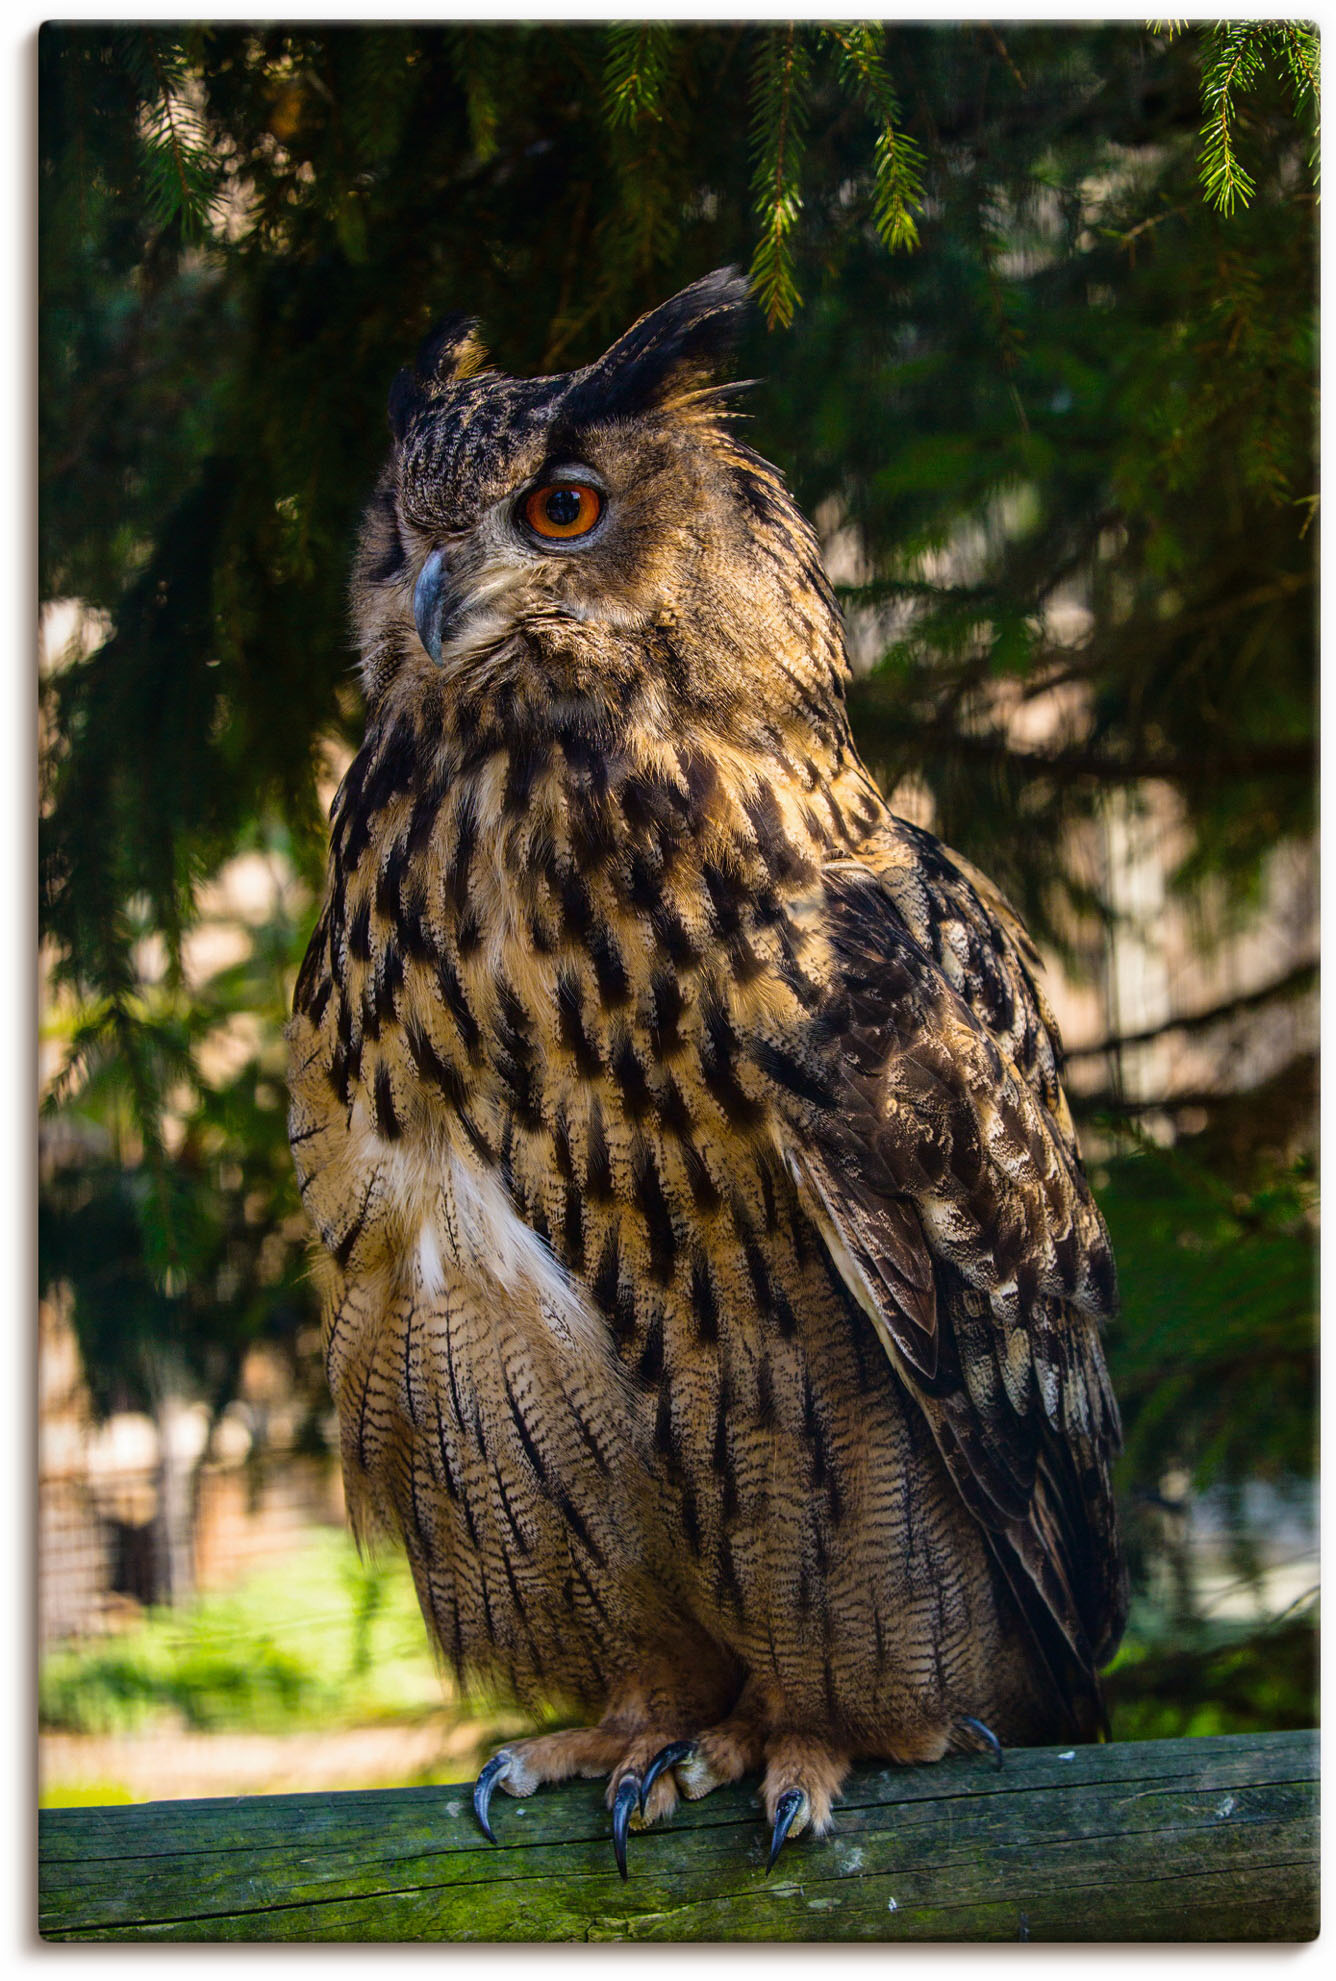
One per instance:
(951, 1198)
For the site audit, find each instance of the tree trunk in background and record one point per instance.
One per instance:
(174, 1524)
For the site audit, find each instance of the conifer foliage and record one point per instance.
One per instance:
(1037, 342)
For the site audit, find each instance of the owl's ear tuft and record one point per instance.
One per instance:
(453, 350)
(673, 351)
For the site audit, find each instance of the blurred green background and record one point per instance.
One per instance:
(1036, 343)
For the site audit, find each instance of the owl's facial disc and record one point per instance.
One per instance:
(458, 597)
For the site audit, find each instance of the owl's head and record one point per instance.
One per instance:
(596, 539)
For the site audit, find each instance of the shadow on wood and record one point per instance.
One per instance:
(1212, 1839)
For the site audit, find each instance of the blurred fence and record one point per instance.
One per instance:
(109, 1540)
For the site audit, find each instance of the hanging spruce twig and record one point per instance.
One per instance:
(182, 172)
(1233, 62)
(780, 78)
(897, 161)
(1300, 47)
(1238, 55)
(642, 74)
(634, 71)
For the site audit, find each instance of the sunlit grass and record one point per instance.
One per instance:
(324, 1641)
(85, 1795)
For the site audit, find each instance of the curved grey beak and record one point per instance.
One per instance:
(434, 605)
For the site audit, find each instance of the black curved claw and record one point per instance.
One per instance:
(482, 1792)
(988, 1735)
(628, 1792)
(785, 1810)
(667, 1757)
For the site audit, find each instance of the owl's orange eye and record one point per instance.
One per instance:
(563, 509)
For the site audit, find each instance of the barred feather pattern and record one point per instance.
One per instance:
(713, 1284)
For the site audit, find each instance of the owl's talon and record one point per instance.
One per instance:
(987, 1734)
(667, 1757)
(787, 1810)
(628, 1794)
(482, 1790)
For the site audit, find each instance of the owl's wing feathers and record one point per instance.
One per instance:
(944, 1177)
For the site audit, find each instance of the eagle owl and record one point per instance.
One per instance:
(713, 1286)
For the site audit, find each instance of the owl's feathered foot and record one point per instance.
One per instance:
(612, 1749)
(802, 1774)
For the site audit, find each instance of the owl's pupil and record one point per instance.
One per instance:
(563, 507)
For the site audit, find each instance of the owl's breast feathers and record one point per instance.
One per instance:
(629, 990)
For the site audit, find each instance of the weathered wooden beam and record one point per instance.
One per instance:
(1212, 1839)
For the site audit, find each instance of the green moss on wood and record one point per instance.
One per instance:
(1170, 1840)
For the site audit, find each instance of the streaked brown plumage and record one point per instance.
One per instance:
(713, 1281)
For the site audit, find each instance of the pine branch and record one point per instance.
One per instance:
(780, 78)
(635, 69)
(642, 59)
(1081, 761)
(173, 141)
(1234, 62)
(1300, 45)
(181, 173)
(474, 68)
(1302, 978)
(897, 162)
(1301, 54)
